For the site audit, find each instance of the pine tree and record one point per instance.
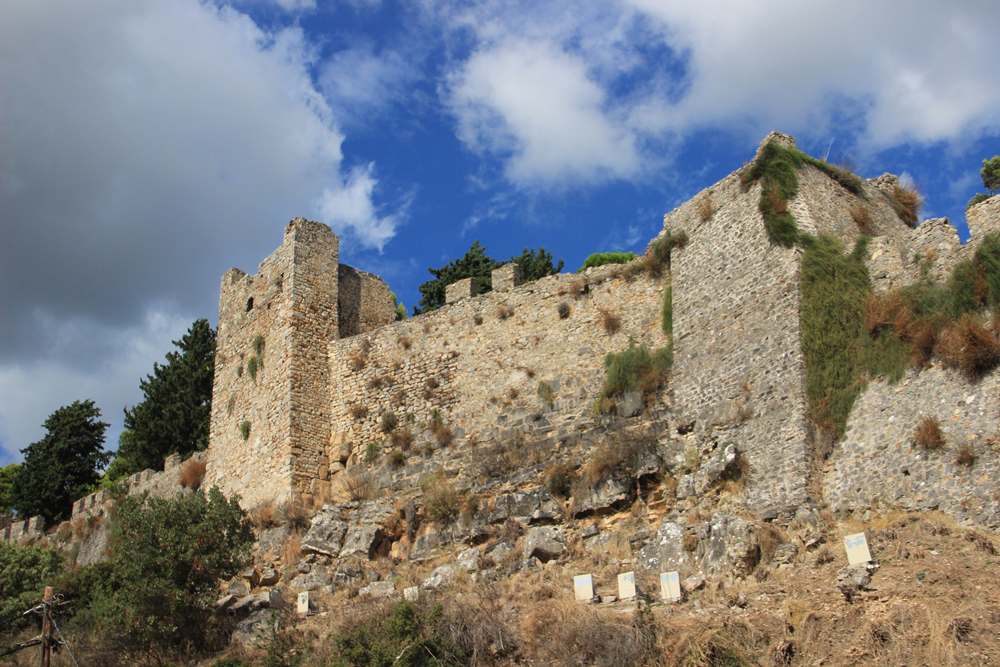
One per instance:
(175, 415)
(63, 465)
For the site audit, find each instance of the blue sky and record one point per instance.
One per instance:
(147, 146)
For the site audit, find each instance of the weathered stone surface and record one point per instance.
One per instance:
(347, 575)
(311, 581)
(630, 404)
(269, 543)
(665, 553)
(251, 575)
(255, 628)
(731, 543)
(238, 587)
(853, 580)
(269, 576)
(439, 578)
(724, 462)
(378, 589)
(326, 536)
(611, 494)
(424, 546)
(362, 541)
(544, 543)
(535, 506)
(94, 548)
(692, 584)
(468, 560)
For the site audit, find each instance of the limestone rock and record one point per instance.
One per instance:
(311, 581)
(666, 552)
(544, 543)
(347, 575)
(853, 580)
(731, 544)
(269, 576)
(722, 463)
(527, 507)
(439, 578)
(630, 404)
(611, 494)
(326, 536)
(692, 584)
(378, 589)
(468, 560)
(257, 627)
(362, 541)
(94, 548)
(269, 545)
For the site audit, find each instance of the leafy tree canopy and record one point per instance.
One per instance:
(63, 465)
(991, 174)
(168, 559)
(174, 416)
(24, 573)
(477, 264)
(6, 479)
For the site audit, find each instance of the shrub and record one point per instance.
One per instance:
(776, 170)
(546, 393)
(511, 393)
(396, 458)
(442, 501)
(24, 573)
(258, 345)
(610, 322)
(406, 637)
(500, 458)
(358, 411)
(578, 287)
(862, 217)
(978, 198)
(402, 438)
(230, 404)
(252, 363)
(969, 346)
(559, 480)
(965, 455)
(907, 202)
(192, 474)
(355, 485)
(295, 513)
(169, 558)
(264, 516)
(477, 318)
(563, 310)
(603, 258)
(231, 661)
(667, 311)
(245, 429)
(405, 342)
(504, 311)
(625, 370)
(372, 451)
(621, 451)
(929, 434)
(444, 435)
(388, 421)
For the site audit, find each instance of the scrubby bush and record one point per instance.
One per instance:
(636, 368)
(388, 421)
(24, 573)
(442, 501)
(546, 393)
(929, 434)
(404, 637)
(602, 258)
(610, 322)
(192, 474)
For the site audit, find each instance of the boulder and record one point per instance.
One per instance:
(615, 492)
(731, 544)
(238, 587)
(544, 543)
(468, 560)
(347, 575)
(630, 404)
(362, 541)
(853, 580)
(500, 549)
(255, 628)
(665, 552)
(311, 581)
(326, 536)
(378, 589)
(252, 575)
(424, 546)
(725, 462)
(692, 584)
(269, 576)
(439, 578)
(535, 506)
(268, 547)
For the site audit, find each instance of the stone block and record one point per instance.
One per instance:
(544, 543)
(440, 577)
(326, 536)
(506, 277)
(362, 541)
(463, 289)
(411, 594)
(378, 589)
(666, 551)
(611, 494)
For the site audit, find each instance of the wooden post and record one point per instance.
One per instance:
(46, 627)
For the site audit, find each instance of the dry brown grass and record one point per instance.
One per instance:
(706, 207)
(405, 342)
(907, 201)
(929, 435)
(265, 516)
(442, 501)
(295, 513)
(862, 216)
(969, 346)
(291, 549)
(610, 322)
(355, 485)
(193, 474)
(402, 438)
(504, 311)
(965, 455)
(357, 411)
(502, 457)
(578, 287)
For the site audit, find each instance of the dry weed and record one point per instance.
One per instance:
(929, 435)
(610, 322)
(355, 485)
(862, 217)
(706, 208)
(969, 346)
(193, 473)
(358, 411)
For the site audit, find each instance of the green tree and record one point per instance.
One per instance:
(63, 465)
(536, 265)
(6, 479)
(169, 556)
(477, 264)
(24, 573)
(175, 414)
(991, 174)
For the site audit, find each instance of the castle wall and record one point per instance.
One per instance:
(738, 365)
(365, 303)
(477, 374)
(294, 309)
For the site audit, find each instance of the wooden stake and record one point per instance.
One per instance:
(46, 627)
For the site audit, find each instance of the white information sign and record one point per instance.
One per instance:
(670, 586)
(626, 585)
(857, 549)
(302, 608)
(583, 587)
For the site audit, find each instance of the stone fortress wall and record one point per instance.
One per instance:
(330, 344)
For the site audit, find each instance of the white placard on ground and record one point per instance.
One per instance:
(626, 585)
(670, 586)
(857, 549)
(302, 608)
(583, 587)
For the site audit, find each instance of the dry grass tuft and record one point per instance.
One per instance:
(291, 549)
(579, 287)
(965, 455)
(402, 438)
(907, 201)
(969, 346)
(862, 216)
(193, 474)
(358, 411)
(442, 501)
(355, 485)
(706, 208)
(296, 514)
(929, 434)
(358, 356)
(500, 458)
(504, 311)
(405, 342)
(264, 516)
(610, 322)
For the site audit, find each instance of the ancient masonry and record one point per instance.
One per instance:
(312, 370)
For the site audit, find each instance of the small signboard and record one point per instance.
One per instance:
(670, 586)
(626, 585)
(857, 549)
(302, 608)
(583, 587)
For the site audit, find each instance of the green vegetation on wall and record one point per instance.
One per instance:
(602, 258)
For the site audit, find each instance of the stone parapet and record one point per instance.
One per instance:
(463, 289)
(506, 277)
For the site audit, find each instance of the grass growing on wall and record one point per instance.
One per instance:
(667, 311)
(636, 368)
